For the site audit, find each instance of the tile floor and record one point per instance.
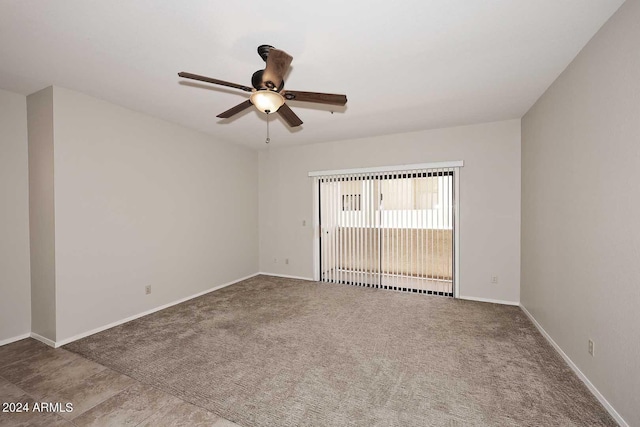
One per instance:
(32, 372)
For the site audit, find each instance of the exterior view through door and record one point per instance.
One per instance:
(389, 230)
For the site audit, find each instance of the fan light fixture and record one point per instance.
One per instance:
(267, 101)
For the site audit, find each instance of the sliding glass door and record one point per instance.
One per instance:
(389, 230)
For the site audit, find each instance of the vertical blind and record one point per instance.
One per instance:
(390, 230)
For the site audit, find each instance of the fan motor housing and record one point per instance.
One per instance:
(256, 82)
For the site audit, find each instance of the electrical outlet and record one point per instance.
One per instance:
(591, 347)
(494, 280)
(286, 260)
(304, 222)
(275, 260)
(147, 289)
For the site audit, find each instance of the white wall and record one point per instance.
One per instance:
(489, 193)
(140, 201)
(41, 213)
(580, 210)
(15, 282)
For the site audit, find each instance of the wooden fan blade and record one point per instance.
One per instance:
(289, 116)
(235, 110)
(320, 98)
(214, 81)
(278, 63)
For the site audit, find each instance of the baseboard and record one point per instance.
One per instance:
(136, 316)
(493, 301)
(616, 416)
(286, 276)
(42, 339)
(13, 339)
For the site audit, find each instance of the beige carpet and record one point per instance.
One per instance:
(282, 352)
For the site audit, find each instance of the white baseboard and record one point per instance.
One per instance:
(493, 301)
(286, 276)
(616, 416)
(13, 339)
(42, 339)
(136, 316)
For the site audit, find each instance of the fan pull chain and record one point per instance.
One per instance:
(268, 140)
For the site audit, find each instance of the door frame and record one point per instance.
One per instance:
(456, 165)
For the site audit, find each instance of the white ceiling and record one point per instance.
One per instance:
(404, 65)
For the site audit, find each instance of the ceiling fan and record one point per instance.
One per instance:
(267, 93)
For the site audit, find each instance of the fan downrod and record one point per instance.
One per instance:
(263, 51)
